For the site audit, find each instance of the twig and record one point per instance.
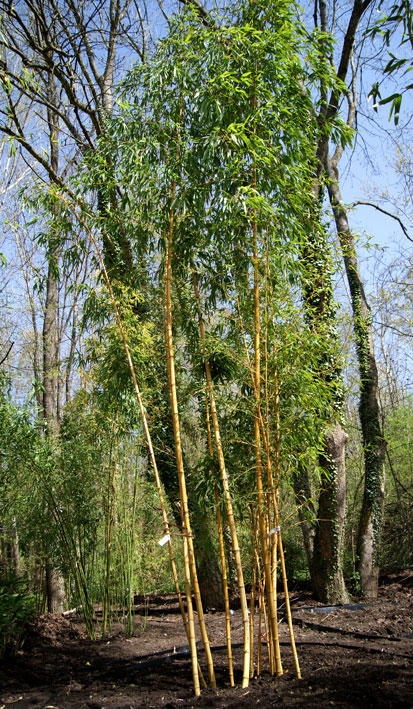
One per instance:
(384, 211)
(7, 354)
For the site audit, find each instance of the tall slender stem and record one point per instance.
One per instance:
(186, 525)
(221, 552)
(227, 493)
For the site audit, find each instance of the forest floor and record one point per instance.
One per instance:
(359, 656)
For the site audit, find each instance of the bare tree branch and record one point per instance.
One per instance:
(384, 211)
(7, 354)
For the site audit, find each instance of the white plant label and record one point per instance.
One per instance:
(164, 540)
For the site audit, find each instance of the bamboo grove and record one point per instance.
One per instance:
(201, 191)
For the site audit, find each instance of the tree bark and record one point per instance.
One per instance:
(371, 517)
(9, 549)
(55, 590)
(327, 531)
(326, 569)
(15, 551)
(209, 573)
(303, 497)
(55, 587)
(49, 352)
(325, 560)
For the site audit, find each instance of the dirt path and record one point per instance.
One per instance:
(350, 657)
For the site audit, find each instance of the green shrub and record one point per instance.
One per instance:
(17, 605)
(295, 556)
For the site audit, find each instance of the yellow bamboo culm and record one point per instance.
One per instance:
(266, 634)
(109, 525)
(221, 553)
(260, 590)
(225, 587)
(191, 623)
(227, 494)
(256, 377)
(186, 525)
(265, 543)
(260, 619)
(288, 608)
(272, 635)
(277, 525)
(252, 605)
(259, 636)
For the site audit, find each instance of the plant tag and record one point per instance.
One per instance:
(273, 531)
(164, 540)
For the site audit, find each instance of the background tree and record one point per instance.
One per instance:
(60, 60)
(369, 409)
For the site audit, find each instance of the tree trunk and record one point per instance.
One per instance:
(49, 351)
(209, 573)
(55, 588)
(371, 517)
(326, 572)
(319, 302)
(50, 324)
(325, 560)
(3, 552)
(9, 550)
(304, 500)
(15, 551)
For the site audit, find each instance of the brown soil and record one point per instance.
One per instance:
(358, 657)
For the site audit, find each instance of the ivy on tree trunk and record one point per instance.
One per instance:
(371, 516)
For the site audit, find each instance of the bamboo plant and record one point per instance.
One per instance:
(211, 157)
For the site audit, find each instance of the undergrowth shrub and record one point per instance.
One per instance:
(17, 605)
(294, 552)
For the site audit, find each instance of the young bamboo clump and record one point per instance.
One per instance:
(188, 623)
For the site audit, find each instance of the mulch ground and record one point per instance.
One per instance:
(359, 656)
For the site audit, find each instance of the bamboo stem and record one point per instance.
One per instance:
(260, 619)
(221, 553)
(252, 600)
(227, 493)
(186, 525)
(110, 520)
(191, 623)
(276, 520)
(288, 608)
(266, 556)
